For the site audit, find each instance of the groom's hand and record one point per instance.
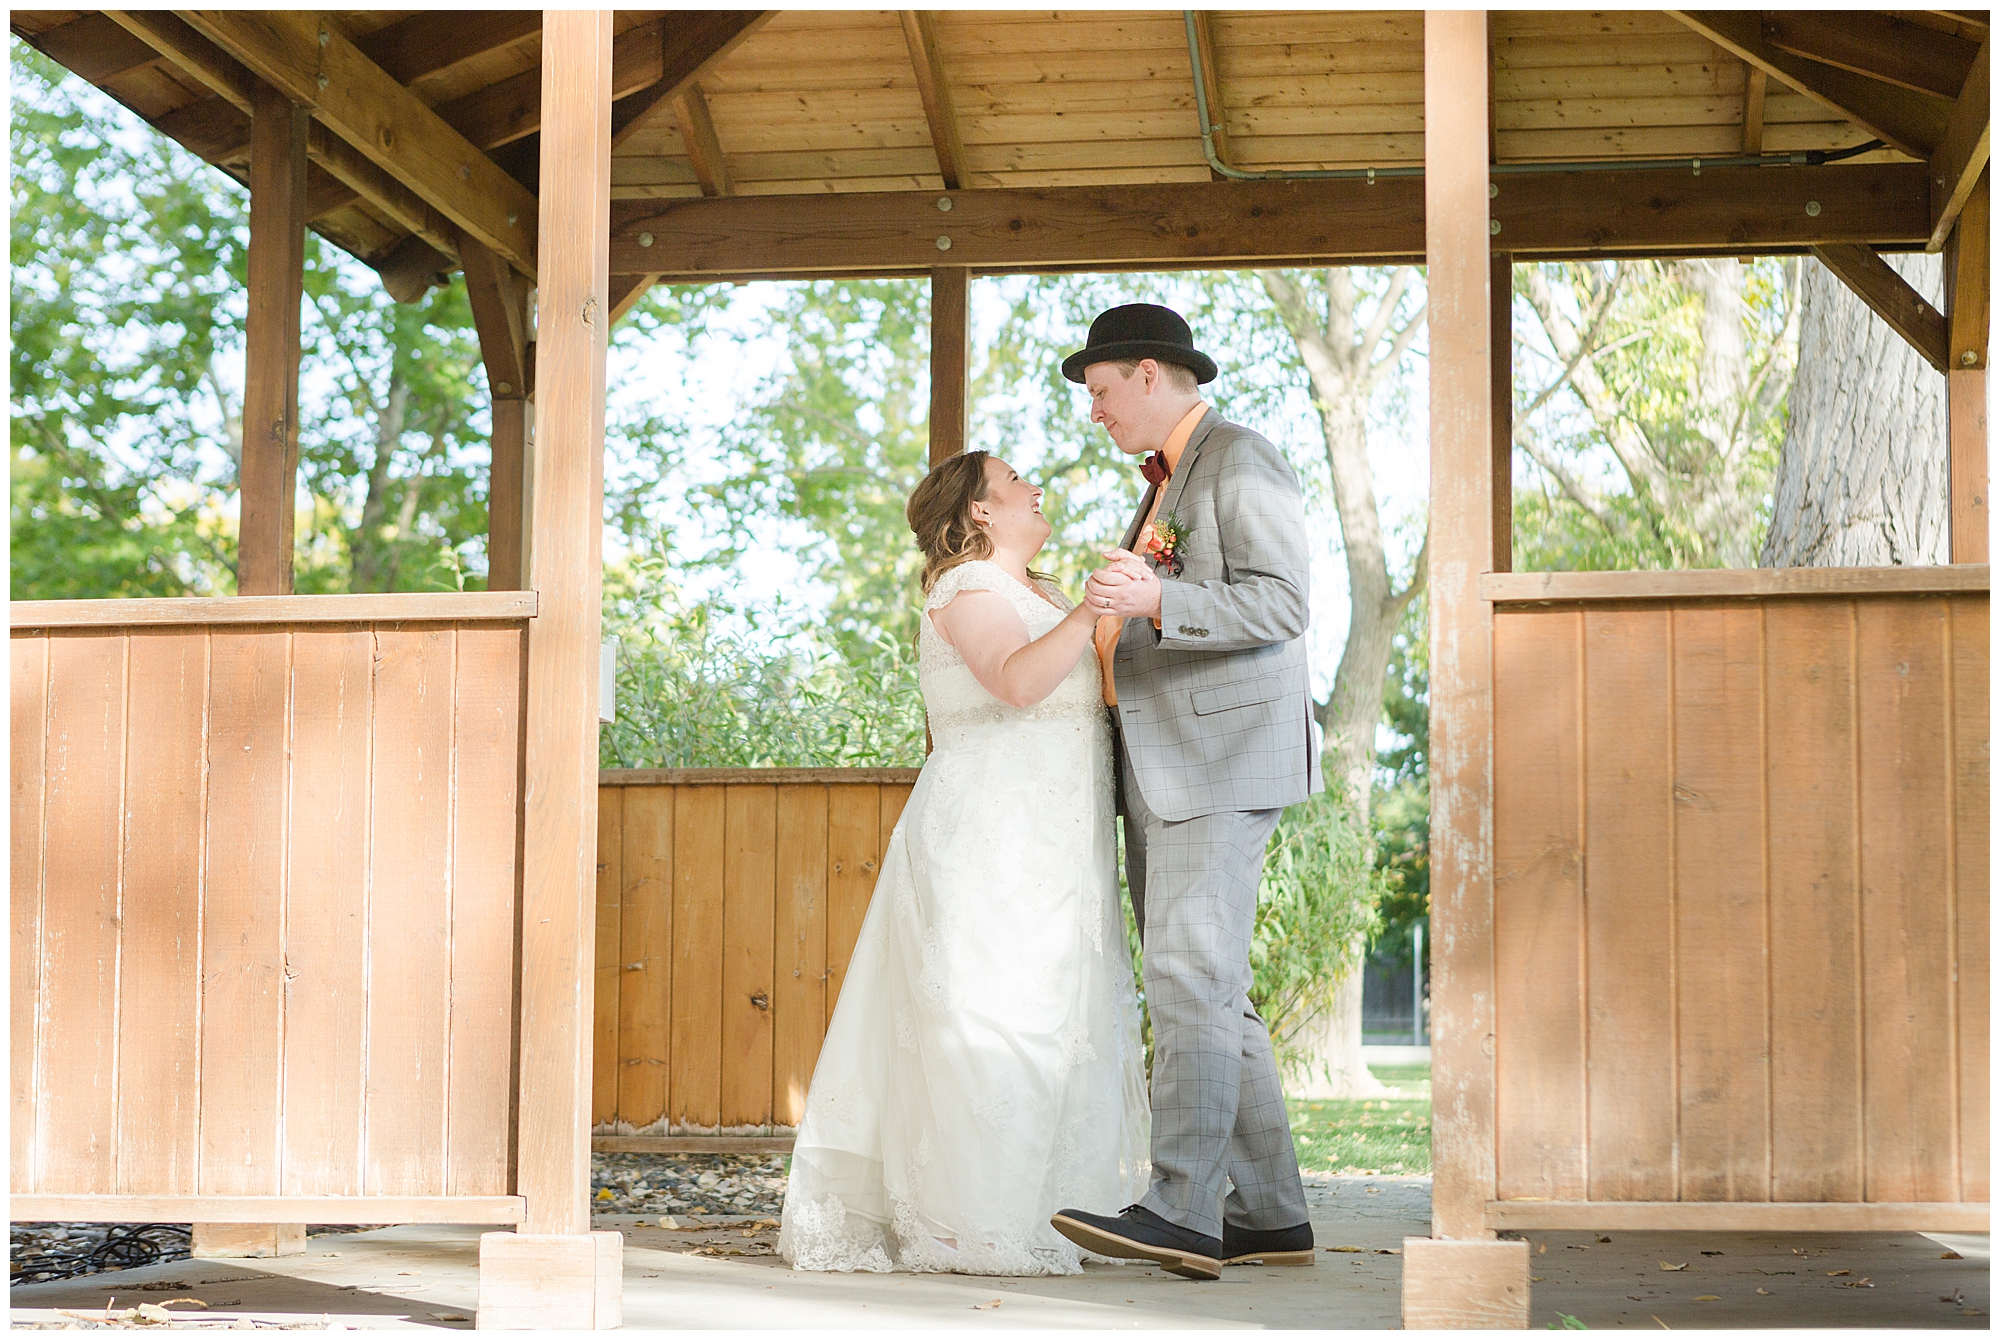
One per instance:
(1128, 589)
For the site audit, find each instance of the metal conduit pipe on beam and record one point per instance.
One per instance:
(1801, 158)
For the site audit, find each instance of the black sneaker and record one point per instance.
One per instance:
(1136, 1232)
(1272, 1246)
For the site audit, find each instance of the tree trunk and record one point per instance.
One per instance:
(1861, 476)
(372, 562)
(1331, 1044)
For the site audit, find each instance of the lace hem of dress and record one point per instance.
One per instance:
(822, 1235)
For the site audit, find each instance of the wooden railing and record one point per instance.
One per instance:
(1741, 898)
(263, 883)
(728, 903)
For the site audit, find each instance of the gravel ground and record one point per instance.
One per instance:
(704, 1184)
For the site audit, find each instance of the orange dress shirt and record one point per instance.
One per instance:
(1110, 626)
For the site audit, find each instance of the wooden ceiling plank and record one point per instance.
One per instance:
(318, 67)
(934, 88)
(690, 42)
(704, 149)
(433, 41)
(95, 47)
(1726, 210)
(1968, 142)
(1753, 111)
(214, 129)
(1912, 122)
(1890, 296)
(1875, 44)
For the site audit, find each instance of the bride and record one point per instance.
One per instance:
(983, 1068)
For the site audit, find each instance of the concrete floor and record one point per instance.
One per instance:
(722, 1276)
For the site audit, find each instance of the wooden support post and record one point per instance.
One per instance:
(217, 1241)
(555, 1272)
(1458, 1279)
(1970, 298)
(951, 355)
(1500, 287)
(499, 300)
(269, 470)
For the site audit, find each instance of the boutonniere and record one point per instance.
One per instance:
(1164, 541)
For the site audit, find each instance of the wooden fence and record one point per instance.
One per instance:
(728, 903)
(1741, 896)
(263, 874)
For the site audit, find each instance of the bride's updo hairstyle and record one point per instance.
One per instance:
(940, 512)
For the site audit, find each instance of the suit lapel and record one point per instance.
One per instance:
(1178, 483)
(1138, 519)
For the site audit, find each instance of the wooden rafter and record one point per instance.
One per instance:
(703, 147)
(934, 88)
(1968, 142)
(95, 47)
(317, 67)
(626, 291)
(1891, 298)
(1911, 122)
(1724, 211)
(1753, 110)
(1878, 45)
(499, 317)
(691, 41)
(512, 109)
(432, 41)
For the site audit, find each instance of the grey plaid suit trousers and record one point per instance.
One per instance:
(1217, 1105)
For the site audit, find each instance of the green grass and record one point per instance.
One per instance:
(1352, 1136)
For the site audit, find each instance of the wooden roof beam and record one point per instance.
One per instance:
(1968, 143)
(691, 41)
(1878, 45)
(703, 146)
(626, 291)
(512, 109)
(314, 65)
(1911, 122)
(1754, 84)
(920, 32)
(1724, 211)
(1891, 298)
(95, 47)
(432, 41)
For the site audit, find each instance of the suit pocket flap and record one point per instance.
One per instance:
(1225, 696)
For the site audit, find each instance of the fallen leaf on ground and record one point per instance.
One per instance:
(1535, 1279)
(1682, 1266)
(1388, 1251)
(1347, 1249)
(1541, 1249)
(988, 1305)
(1858, 1284)
(450, 1316)
(1708, 1298)
(1761, 1271)
(1709, 1253)
(1832, 1273)
(191, 1302)
(1765, 1292)
(1604, 1239)
(1950, 1256)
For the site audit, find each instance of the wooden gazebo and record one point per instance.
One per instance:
(302, 887)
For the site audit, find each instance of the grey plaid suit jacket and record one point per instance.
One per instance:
(1214, 706)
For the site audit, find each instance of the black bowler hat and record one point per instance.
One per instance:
(1140, 330)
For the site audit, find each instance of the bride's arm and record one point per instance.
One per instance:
(1018, 670)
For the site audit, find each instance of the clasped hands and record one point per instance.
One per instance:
(1126, 589)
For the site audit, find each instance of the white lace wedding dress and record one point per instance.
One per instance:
(982, 1068)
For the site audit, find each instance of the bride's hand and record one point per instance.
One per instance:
(1127, 589)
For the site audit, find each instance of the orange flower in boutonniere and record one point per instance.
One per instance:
(1163, 542)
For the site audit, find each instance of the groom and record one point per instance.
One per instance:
(1205, 675)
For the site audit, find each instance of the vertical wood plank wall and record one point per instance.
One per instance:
(1741, 900)
(728, 905)
(263, 908)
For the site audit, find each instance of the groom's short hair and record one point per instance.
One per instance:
(1178, 376)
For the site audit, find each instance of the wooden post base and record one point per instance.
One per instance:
(240, 1240)
(1464, 1285)
(551, 1281)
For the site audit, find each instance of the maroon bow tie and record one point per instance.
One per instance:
(1155, 468)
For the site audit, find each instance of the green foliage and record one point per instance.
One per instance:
(690, 696)
(1317, 902)
(1401, 814)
